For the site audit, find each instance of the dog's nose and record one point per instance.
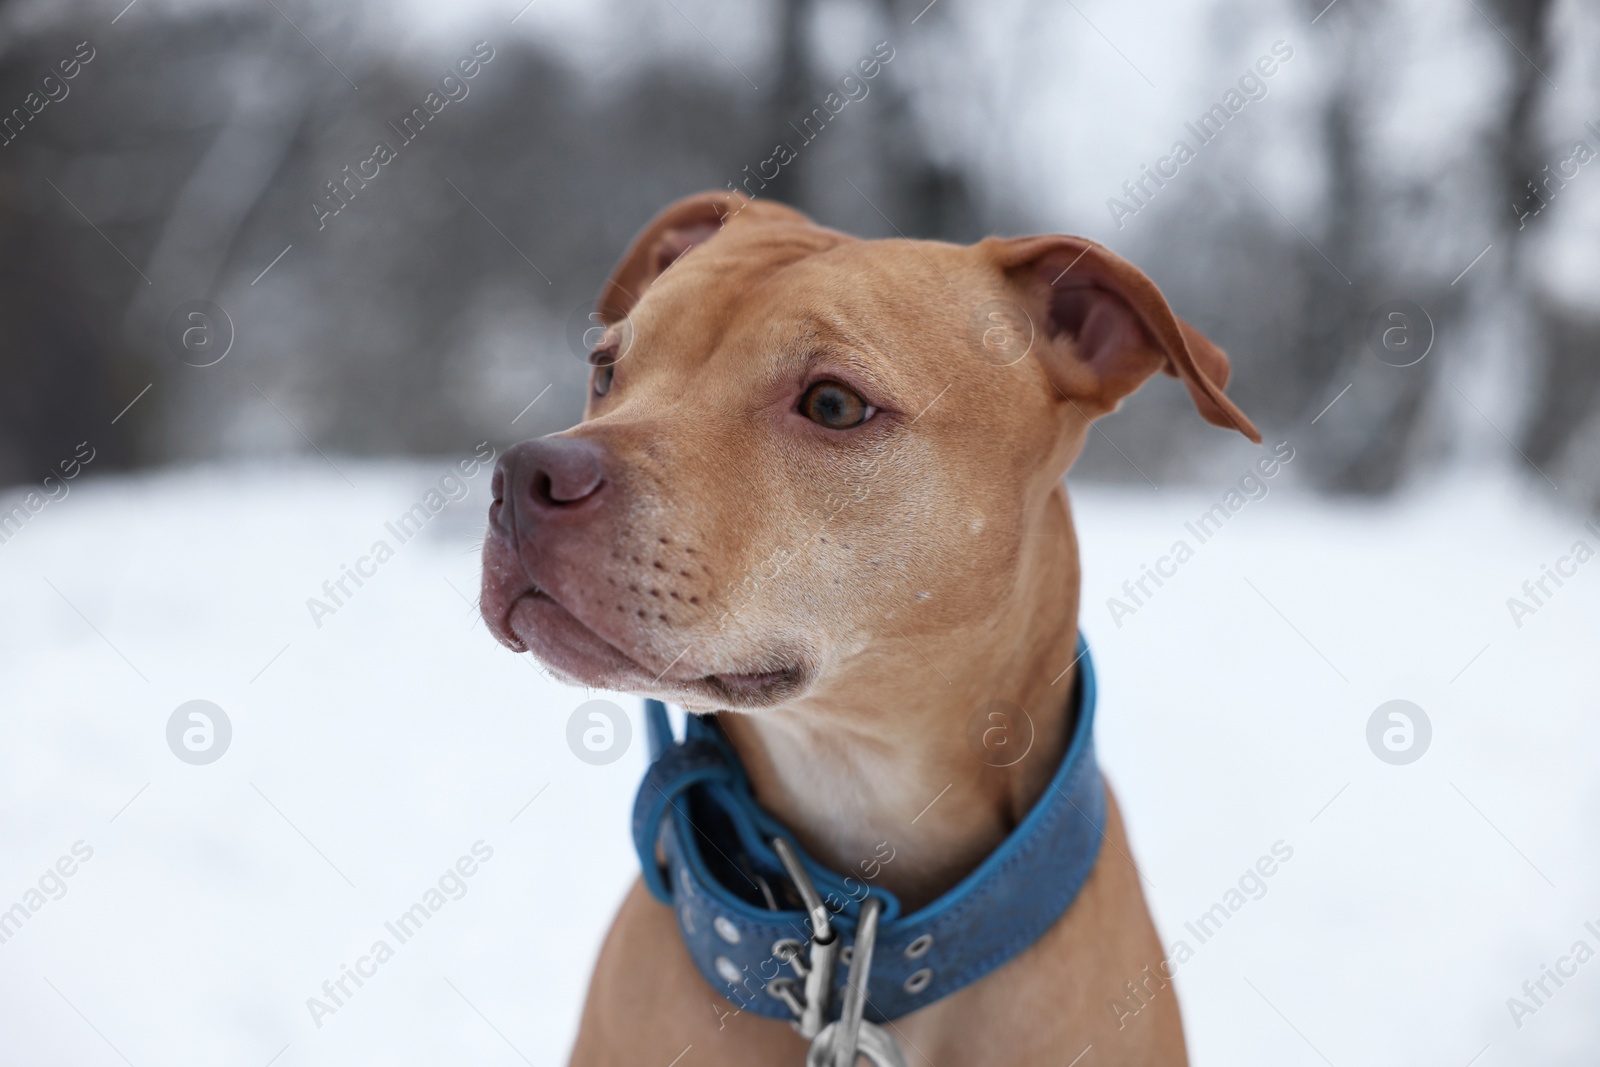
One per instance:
(543, 480)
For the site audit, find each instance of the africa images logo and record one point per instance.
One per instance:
(453, 88)
(452, 884)
(1141, 191)
(451, 488)
(598, 732)
(199, 732)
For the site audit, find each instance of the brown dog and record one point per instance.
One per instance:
(818, 490)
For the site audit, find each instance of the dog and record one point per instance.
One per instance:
(818, 493)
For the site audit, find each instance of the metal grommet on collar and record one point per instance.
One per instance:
(919, 981)
(788, 991)
(725, 929)
(687, 918)
(919, 948)
(729, 971)
(683, 879)
(787, 948)
(846, 954)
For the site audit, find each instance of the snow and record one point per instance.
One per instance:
(371, 753)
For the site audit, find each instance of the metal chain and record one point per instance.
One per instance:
(835, 1044)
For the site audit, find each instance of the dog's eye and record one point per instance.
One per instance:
(601, 382)
(838, 407)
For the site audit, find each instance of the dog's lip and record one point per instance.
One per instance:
(739, 688)
(533, 596)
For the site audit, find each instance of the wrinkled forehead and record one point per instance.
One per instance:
(760, 300)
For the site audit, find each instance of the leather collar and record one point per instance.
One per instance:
(735, 906)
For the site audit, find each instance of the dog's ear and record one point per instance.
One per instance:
(682, 225)
(1101, 328)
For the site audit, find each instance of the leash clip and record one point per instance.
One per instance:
(836, 1044)
(816, 970)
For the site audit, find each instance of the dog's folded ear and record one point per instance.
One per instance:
(1102, 328)
(678, 228)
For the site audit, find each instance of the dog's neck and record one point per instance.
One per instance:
(892, 770)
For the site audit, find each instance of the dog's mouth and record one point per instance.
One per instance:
(535, 621)
(750, 690)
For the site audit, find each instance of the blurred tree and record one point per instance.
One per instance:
(1565, 351)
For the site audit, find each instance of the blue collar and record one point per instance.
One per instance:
(734, 903)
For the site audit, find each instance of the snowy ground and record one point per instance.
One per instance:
(370, 754)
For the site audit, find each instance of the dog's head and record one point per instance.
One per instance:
(800, 446)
